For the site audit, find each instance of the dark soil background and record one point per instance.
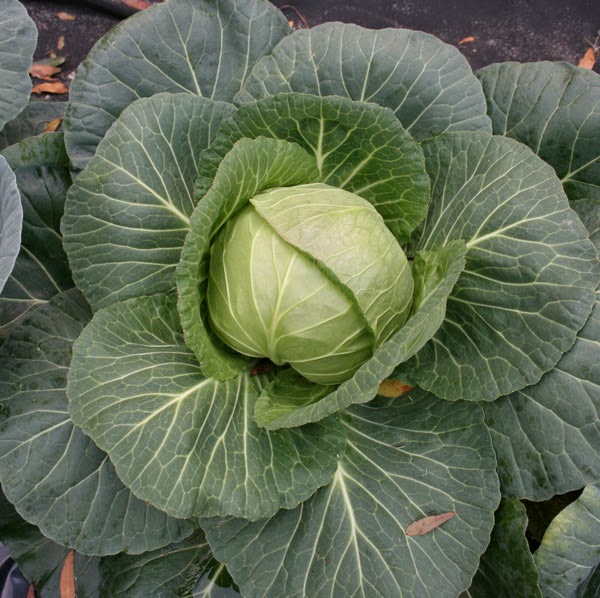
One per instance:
(522, 30)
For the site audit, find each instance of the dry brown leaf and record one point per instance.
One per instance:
(52, 125)
(31, 591)
(57, 88)
(393, 388)
(61, 43)
(43, 71)
(139, 4)
(427, 524)
(65, 16)
(467, 40)
(67, 576)
(589, 59)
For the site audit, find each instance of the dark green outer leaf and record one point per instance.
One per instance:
(554, 108)
(546, 435)
(405, 459)
(570, 549)
(41, 270)
(169, 571)
(206, 49)
(183, 442)
(506, 568)
(32, 121)
(290, 401)
(54, 474)
(531, 272)
(128, 212)
(18, 38)
(252, 166)
(359, 147)
(426, 83)
(11, 221)
(41, 560)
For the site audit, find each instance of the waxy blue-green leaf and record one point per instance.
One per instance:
(252, 166)
(41, 167)
(54, 474)
(531, 272)
(41, 560)
(405, 459)
(182, 46)
(291, 401)
(570, 548)
(359, 147)
(427, 84)
(565, 404)
(169, 571)
(506, 567)
(128, 212)
(18, 38)
(32, 121)
(183, 442)
(554, 108)
(11, 221)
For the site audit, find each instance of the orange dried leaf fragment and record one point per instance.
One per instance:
(427, 524)
(393, 388)
(43, 71)
(52, 125)
(467, 40)
(57, 87)
(61, 43)
(67, 576)
(139, 4)
(65, 16)
(589, 59)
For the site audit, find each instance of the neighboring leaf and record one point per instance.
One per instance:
(589, 212)
(169, 571)
(531, 272)
(291, 401)
(128, 212)
(32, 121)
(427, 84)
(215, 582)
(252, 166)
(18, 38)
(183, 442)
(41, 560)
(565, 404)
(570, 549)
(54, 474)
(359, 147)
(41, 271)
(506, 568)
(204, 49)
(405, 459)
(11, 221)
(554, 108)
(590, 587)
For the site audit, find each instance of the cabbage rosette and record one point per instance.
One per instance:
(267, 231)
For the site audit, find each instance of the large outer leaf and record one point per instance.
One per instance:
(252, 166)
(183, 442)
(359, 147)
(18, 38)
(204, 48)
(427, 83)
(128, 212)
(169, 571)
(290, 400)
(11, 221)
(405, 459)
(506, 568)
(53, 473)
(554, 108)
(41, 271)
(564, 406)
(570, 549)
(41, 560)
(32, 121)
(531, 271)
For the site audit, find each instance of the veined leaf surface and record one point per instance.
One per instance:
(11, 221)
(32, 121)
